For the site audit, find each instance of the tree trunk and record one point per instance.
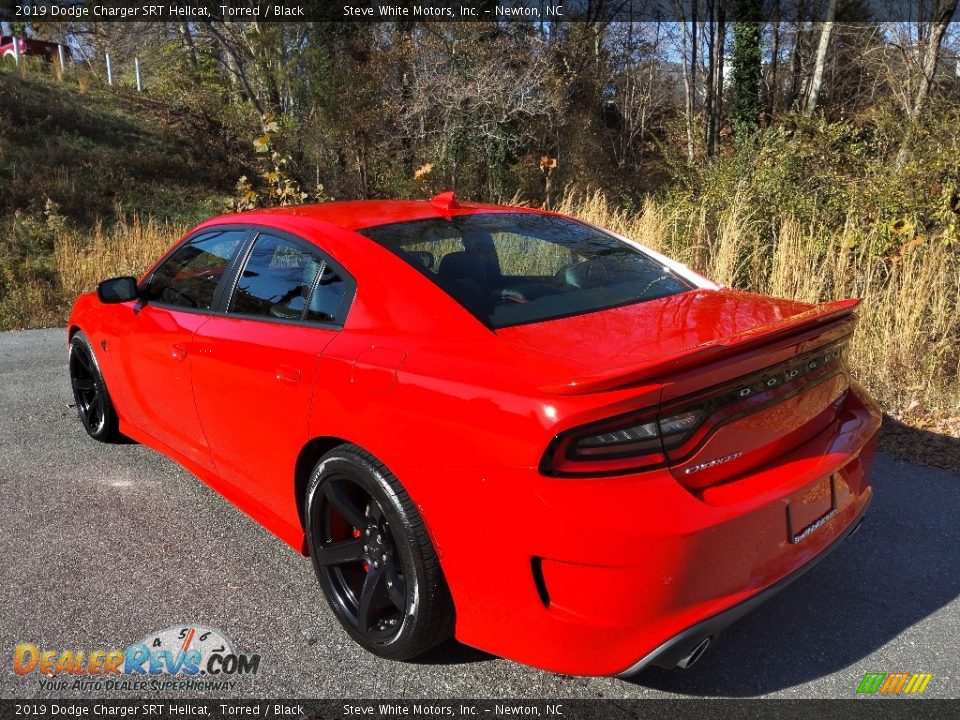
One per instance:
(718, 103)
(187, 37)
(792, 99)
(236, 67)
(692, 101)
(816, 81)
(711, 60)
(690, 78)
(548, 190)
(940, 22)
(931, 58)
(716, 107)
(773, 81)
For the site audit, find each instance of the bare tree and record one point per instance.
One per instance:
(480, 98)
(772, 79)
(640, 91)
(187, 36)
(689, 38)
(826, 29)
(942, 13)
(797, 66)
(235, 55)
(715, 82)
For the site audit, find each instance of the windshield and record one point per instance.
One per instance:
(517, 268)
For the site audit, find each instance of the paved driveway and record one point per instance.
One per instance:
(101, 544)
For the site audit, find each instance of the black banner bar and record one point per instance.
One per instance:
(888, 709)
(560, 11)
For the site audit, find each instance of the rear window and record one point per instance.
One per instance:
(517, 268)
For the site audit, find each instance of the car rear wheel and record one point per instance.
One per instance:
(373, 557)
(90, 392)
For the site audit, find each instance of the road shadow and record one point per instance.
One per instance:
(452, 653)
(931, 447)
(900, 568)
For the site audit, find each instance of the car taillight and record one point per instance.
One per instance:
(617, 442)
(627, 443)
(675, 429)
(649, 439)
(623, 444)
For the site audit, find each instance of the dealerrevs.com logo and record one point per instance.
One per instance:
(181, 657)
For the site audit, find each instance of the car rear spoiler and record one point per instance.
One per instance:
(685, 358)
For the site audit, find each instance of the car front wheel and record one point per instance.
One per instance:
(90, 392)
(373, 557)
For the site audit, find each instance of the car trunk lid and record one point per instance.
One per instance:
(644, 341)
(746, 377)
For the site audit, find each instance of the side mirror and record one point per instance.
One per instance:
(117, 290)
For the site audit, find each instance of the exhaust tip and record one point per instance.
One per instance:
(688, 660)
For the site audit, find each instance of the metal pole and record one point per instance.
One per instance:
(63, 61)
(109, 70)
(16, 51)
(136, 68)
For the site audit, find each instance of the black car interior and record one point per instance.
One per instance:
(559, 267)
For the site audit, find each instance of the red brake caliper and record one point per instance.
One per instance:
(366, 566)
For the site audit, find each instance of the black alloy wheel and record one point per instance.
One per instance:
(360, 555)
(373, 558)
(90, 392)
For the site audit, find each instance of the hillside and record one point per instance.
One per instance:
(94, 149)
(77, 155)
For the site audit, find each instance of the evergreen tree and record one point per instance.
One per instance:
(745, 103)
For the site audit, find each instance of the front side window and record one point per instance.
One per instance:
(288, 281)
(189, 277)
(516, 268)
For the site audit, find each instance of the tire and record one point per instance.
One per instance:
(94, 406)
(373, 557)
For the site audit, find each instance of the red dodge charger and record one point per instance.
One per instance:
(500, 424)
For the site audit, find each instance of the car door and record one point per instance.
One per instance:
(255, 365)
(154, 349)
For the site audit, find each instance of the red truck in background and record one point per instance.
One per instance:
(28, 46)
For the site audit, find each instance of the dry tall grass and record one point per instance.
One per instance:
(907, 346)
(906, 350)
(128, 248)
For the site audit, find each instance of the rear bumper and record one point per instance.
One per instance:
(585, 576)
(670, 653)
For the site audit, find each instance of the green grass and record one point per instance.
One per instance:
(74, 154)
(91, 151)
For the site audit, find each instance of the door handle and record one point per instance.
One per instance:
(179, 352)
(288, 374)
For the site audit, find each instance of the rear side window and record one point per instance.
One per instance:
(516, 268)
(189, 277)
(285, 280)
(328, 297)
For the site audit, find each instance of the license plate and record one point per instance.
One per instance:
(810, 508)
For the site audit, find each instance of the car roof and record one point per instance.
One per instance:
(355, 215)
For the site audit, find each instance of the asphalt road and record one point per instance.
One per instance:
(101, 544)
